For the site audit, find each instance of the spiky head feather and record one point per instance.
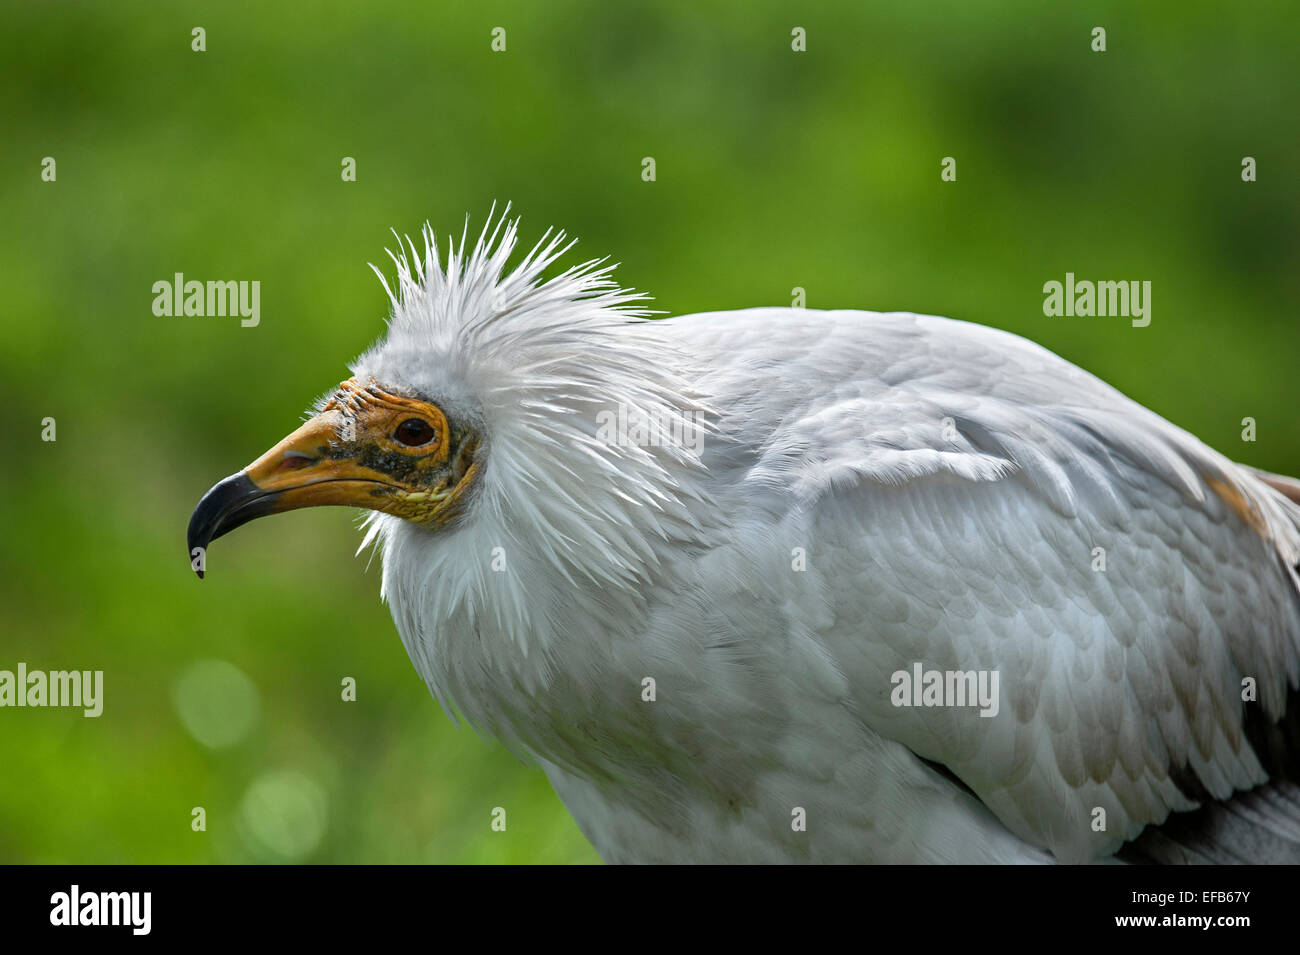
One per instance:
(537, 367)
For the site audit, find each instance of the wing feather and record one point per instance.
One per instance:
(959, 488)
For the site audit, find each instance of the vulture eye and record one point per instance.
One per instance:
(414, 432)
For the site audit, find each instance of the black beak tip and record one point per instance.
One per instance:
(227, 505)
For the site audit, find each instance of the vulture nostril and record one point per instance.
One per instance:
(295, 461)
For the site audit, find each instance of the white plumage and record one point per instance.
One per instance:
(873, 491)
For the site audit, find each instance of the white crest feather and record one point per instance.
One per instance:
(531, 363)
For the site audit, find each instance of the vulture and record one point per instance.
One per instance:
(786, 585)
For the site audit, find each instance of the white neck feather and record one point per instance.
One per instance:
(567, 524)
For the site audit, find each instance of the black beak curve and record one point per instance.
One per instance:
(229, 504)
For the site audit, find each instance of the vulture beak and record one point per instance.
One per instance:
(298, 472)
(367, 448)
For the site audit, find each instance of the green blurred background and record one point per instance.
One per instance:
(775, 169)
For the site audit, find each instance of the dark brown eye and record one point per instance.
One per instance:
(414, 432)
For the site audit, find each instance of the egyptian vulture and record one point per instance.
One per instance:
(779, 584)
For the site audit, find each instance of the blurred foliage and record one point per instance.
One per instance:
(775, 169)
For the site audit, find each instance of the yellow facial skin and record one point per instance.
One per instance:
(367, 448)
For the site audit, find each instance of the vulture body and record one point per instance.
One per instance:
(691, 556)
